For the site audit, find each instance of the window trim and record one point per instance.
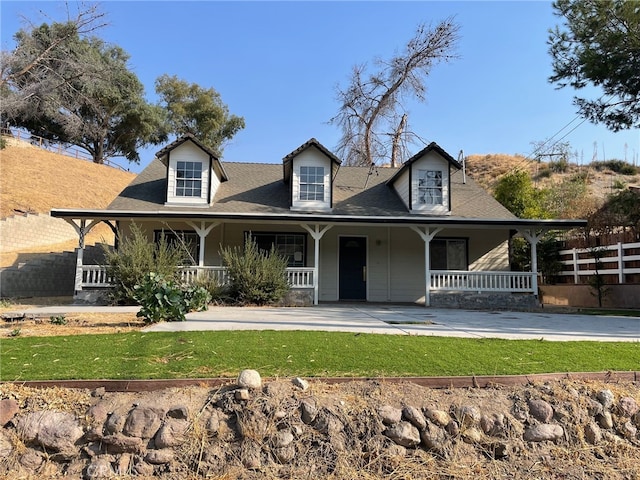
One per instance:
(427, 189)
(316, 184)
(179, 179)
(251, 234)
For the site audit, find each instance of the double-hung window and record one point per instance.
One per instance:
(312, 183)
(430, 187)
(188, 242)
(188, 179)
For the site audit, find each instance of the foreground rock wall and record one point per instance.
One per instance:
(299, 429)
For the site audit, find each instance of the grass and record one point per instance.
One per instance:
(139, 355)
(610, 312)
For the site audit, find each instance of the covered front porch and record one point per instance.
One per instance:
(375, 260)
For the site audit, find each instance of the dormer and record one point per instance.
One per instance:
(194, 172)
(309, 171)
(424, 181)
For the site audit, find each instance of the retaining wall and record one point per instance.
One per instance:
(19, 233)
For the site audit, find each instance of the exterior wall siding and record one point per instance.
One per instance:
(311, 157)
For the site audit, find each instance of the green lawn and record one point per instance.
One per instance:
(280, 353)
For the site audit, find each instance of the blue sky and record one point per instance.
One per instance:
(277, 64)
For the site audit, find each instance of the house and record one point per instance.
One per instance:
(422, 233)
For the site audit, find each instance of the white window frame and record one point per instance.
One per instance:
(195, 168)
(312, 174)
(430, 187)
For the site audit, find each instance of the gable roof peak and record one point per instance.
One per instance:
(312, 142)
(182, 139)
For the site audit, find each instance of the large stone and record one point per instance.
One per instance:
(99, 468)
(605, 420)
(592, 433)
(32, 460)
(6, 447)
(627, 407)
(53, 430)
(543, 432)
(541, 410)
(439, 417)
(115, 423)
(172, 433)
(606, 398)
(120, 443)
(433, 438)
(8, 409)
(249, 379)
(493, 425)
(414, 416)
(308, 410)
(300, 383)
(142, 422)
(467, 415)
(390, 415)
(282, 439)
(159, 457)
(472, 435)
(628, 430)
(285, 454)
(404, 434)
(213, 423)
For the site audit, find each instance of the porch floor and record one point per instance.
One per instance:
(396, 319)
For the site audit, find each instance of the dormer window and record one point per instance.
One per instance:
(189, 179)
(312, 183)
(430, 187)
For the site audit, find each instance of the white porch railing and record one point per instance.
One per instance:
(476, 281)
(95, 276)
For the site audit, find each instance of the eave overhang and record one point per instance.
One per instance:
(328, 219)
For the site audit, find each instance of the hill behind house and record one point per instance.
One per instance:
(34, 180)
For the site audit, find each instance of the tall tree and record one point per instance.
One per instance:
(78, 91)
(200, 111)
(599, 45)
(371, 115)
(516, 192)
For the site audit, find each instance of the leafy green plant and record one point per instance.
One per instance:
(160, 299)
(618, 166)
(57, 320)
(15, 332)
(597, 281)
(135, 257)
(5, 303)
(218, 291)
(196, 298)
(255, 276)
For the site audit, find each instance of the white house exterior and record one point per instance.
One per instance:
(408, 234)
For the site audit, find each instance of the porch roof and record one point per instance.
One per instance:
(325, 219)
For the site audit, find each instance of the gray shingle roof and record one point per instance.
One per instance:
(259, 188)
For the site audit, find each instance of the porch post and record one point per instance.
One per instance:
(427, 235)
(81, 230)
(316, 233)
(533, 239)
(202, 232)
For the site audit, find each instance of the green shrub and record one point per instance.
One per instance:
(255, 276)
(544, 172)
(57, 320)
(618, 166)
(219, 292)
(135, 257)
(160, 299)
(559, 166)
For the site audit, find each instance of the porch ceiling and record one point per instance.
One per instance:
(267, 218)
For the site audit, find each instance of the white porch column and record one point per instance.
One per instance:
(316, 233)
(533, 238)
(81, 229)
(203, 230)
(427, 235)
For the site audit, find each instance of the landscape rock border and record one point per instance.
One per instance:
(297, 428)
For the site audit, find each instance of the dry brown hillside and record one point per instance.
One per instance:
(35, 180)
(487, 170)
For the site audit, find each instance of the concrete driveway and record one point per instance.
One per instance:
(413, 320)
